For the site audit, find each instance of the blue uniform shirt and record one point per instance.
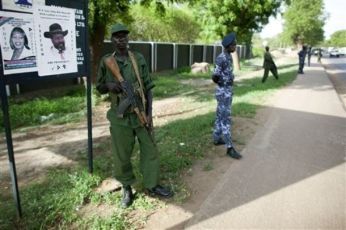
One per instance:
(224, 68)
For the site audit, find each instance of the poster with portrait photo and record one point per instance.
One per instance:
(55, 34)
(17, 43)
(21, 5)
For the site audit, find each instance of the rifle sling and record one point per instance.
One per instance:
(139, 79)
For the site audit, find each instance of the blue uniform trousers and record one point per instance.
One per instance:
(222, 124)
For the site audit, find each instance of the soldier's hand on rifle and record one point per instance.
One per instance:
(150, 120)
(114, 87)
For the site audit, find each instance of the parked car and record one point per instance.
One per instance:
(334, 53)
(342, 51)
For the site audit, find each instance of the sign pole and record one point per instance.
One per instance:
(89, 98)
(11, 160)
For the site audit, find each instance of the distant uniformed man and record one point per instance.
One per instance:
(319, 55)
(223, 77)
(125, 130)
(309, 53)
(269, 65)
(301, 56)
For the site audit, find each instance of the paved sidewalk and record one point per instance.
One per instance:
(293, 173)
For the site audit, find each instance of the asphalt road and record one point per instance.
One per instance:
(336, 69)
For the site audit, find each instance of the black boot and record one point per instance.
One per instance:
(233, 153)
(127, 197)
(158, 190)
(219, 142)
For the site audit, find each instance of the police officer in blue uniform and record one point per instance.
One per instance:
(223, 77)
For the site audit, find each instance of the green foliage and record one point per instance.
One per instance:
(243, 17)
(277, 42)
(149, 25)
(338, 39)
(257, 46)
(102, 12)
(304, 21)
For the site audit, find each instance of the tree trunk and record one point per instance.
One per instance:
(96, 47)
(236, 64)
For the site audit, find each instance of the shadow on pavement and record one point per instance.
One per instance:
(287, 155)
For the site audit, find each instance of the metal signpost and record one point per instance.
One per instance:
(17, 17)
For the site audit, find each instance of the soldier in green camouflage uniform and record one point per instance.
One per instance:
(269, 65)
(125, 130)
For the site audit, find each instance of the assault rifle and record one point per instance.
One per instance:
(128, 91)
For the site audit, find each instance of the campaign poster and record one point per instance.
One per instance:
(55, 34)
(17, 42)
(21, 5)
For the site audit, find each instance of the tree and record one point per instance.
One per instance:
(103, 13)
(338, 38)
(244, 17)
(100, 13)
(304, 21)
(151, 25)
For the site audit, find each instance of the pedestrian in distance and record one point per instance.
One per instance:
(319, 55)
(124, 75)
(269, 65)
(309, 52)
(223, 77)
(301, 57)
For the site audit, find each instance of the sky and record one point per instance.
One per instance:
(335, 22)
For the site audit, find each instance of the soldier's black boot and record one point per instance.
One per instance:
(233, 153)
(160, 191)
(127, 198)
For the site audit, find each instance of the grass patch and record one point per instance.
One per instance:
(57, 106)
(249, 94)
(168, 86)
(55, 203)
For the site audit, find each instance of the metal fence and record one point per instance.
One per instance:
(169, 56)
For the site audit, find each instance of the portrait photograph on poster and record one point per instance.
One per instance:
(55, 35)
(17, 42)
(21, 5)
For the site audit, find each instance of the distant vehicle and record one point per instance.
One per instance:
(342, 51)
(334, 53)
(314, 51)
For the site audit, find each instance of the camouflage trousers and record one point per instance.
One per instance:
(222, 125)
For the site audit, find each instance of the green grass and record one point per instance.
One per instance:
(168, 86)
(57, 106)
(55, 201)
